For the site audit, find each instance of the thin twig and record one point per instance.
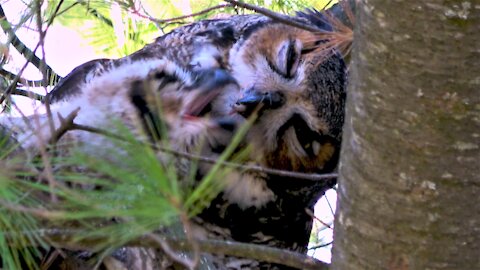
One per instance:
(170, 252)
(10, 76)
(329, 205)
(190, 238)
(51, 256)
(25, 119)
(46, 70)
(159, 21)
(68, 124)
(41, 42)
(327, 4)
(321, 246)
(48, 169)
(20, 46)
(274, 15)
(13, 85)
(311, 214)
(65, 124)
(41, 213)
(68, 8)
(251, 168)
(26, 93)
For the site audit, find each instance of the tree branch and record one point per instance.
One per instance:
(312, 215)
(10, 76)
(68, 124)
(22, 48)
(136, 12)
(26, 93)
(274, 15)
(13, 85)
(321, 246)
(64, 239)
(65, 125)
(172, 254)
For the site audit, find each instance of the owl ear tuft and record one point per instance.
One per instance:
(288, 57)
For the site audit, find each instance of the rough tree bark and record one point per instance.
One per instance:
(409, 188)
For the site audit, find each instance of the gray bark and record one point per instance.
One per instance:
(409, 187)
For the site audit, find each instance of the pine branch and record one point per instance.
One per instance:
(68, 124)
(97, 14)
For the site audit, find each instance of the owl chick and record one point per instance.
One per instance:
(173, 111)
(157, 100)
(106, 93)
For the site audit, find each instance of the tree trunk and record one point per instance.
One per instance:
(409, 187)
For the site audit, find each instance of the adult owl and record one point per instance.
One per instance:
(297, 93)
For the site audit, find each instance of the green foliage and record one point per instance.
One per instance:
(121, 27)
(108, 25)
(132, 187)
(210, 185)
(118, 197)
(18, 246)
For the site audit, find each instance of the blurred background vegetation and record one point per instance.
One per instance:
(118, 28)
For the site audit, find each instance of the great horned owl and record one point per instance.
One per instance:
(301, 93)
(298, 93)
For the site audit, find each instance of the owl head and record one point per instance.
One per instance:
(297, 93)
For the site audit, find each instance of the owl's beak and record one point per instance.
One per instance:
(209, 83)
(255, 100)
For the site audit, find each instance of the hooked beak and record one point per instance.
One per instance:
(255, 100)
